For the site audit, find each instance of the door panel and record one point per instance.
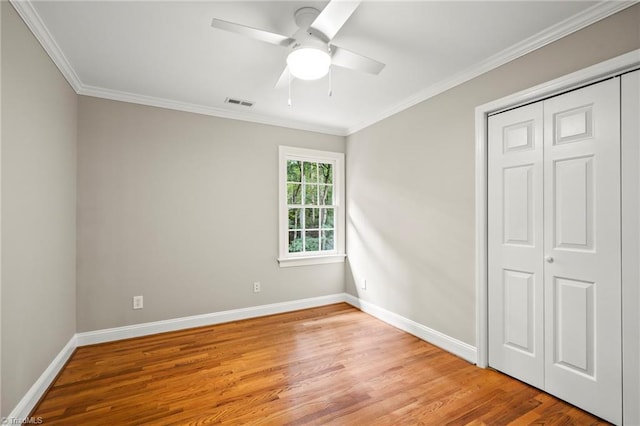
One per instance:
(573, 203)
(518, 205)
(574, 325)
(515, 244)
(518, 310)
(582, 246)
(573, 125)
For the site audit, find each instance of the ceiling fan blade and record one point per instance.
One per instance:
(254, 33)
(284, 79)
(347, 59)
(333, 17)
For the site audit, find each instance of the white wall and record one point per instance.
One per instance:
(631, 245)
(1, 411)
(410, 184)
(182, 209)
(38, 175)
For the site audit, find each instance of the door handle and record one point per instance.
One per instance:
(548, 259)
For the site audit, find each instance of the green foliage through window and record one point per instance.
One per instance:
(310, 200)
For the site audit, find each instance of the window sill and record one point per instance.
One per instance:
(288, 262)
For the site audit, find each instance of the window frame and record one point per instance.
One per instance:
(286, 259)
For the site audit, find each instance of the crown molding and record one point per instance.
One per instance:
(589, 16)
(33, 21)
(570, 25)
(116, 95)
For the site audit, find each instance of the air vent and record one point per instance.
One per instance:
(240, 102)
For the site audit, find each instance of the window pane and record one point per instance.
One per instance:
(311, 194)
(326, 172)
(327, 240)
(311, 203)
(327, 218)
(311, 172)
(293, 171)
(295, 241)
(326, 195)
(311, 241)
(295, 218)
(294, 193)
(312, 218)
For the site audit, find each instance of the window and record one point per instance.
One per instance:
(311, 210)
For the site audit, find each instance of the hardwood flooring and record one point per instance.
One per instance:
(328, 365)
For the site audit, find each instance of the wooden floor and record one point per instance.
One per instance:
(329, 365)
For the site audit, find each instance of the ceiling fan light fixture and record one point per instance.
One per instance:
(309, 63)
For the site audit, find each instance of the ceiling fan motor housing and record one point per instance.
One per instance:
(305, 16)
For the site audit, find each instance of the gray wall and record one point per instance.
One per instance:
(410, 184)
(38, 174)
(182, 209)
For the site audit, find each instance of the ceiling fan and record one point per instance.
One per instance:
(312, 52)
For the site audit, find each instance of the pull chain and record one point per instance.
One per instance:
(330, 83)
(289, 100)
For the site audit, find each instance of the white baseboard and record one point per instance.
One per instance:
(31, 398)
(449, 344)
(145, 329)
(33, 395)
(456, 347)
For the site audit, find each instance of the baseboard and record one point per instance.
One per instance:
(31, 398)
(33, 395)
(145, 329)
(449, 344)
(456, 347)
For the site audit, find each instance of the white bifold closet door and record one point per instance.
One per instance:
(554, 247)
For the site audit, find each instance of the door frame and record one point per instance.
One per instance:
(592, 74)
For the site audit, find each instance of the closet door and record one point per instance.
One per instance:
(515, 243)
(582, 272)
(554, 238)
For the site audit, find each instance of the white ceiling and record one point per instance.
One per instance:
(166, 53)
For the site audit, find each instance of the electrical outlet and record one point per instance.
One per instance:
(137, 302)
(256, 287)
(364, 284)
